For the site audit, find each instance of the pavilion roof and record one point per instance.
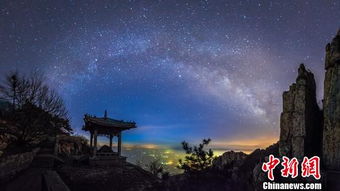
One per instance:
(106, 123)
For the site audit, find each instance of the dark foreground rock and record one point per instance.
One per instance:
(107, 178)
(236, 173)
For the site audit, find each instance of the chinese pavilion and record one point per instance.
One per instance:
(108, 127)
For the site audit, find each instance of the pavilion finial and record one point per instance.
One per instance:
(105, 114)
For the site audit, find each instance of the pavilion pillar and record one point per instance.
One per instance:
(119, 143)
(91, 140)
(111, 141)
(95, 143)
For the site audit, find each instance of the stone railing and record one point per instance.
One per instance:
(11, 165)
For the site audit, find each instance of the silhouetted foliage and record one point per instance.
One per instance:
(37, 110)
(197, 158)
(156, 168)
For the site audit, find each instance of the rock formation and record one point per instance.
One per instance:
(72, 145)
(331, 104)
(301, 119)
(228, 158)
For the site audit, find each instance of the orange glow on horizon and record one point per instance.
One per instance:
(245, 145)
(219, 147)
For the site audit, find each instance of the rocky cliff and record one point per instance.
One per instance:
(331, 104)
(301, 118)
(107, 178)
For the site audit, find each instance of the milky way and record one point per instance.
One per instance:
(183, 70)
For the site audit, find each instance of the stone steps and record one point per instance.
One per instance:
(43, 162)
(46, 161)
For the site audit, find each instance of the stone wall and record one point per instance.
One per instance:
(11, 165)
(301, 119)
(331, 104)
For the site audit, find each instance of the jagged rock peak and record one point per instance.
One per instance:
(303, 72)
(302, 69)
(300, 121)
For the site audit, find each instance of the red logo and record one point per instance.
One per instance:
(290, 167)
(270, 166)
(309, 167)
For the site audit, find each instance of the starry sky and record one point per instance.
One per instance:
(183, 70)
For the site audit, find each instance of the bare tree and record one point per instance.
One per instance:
(10, 87)
(20, 90)
(37, 109)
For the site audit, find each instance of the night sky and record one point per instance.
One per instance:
(183, 70)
